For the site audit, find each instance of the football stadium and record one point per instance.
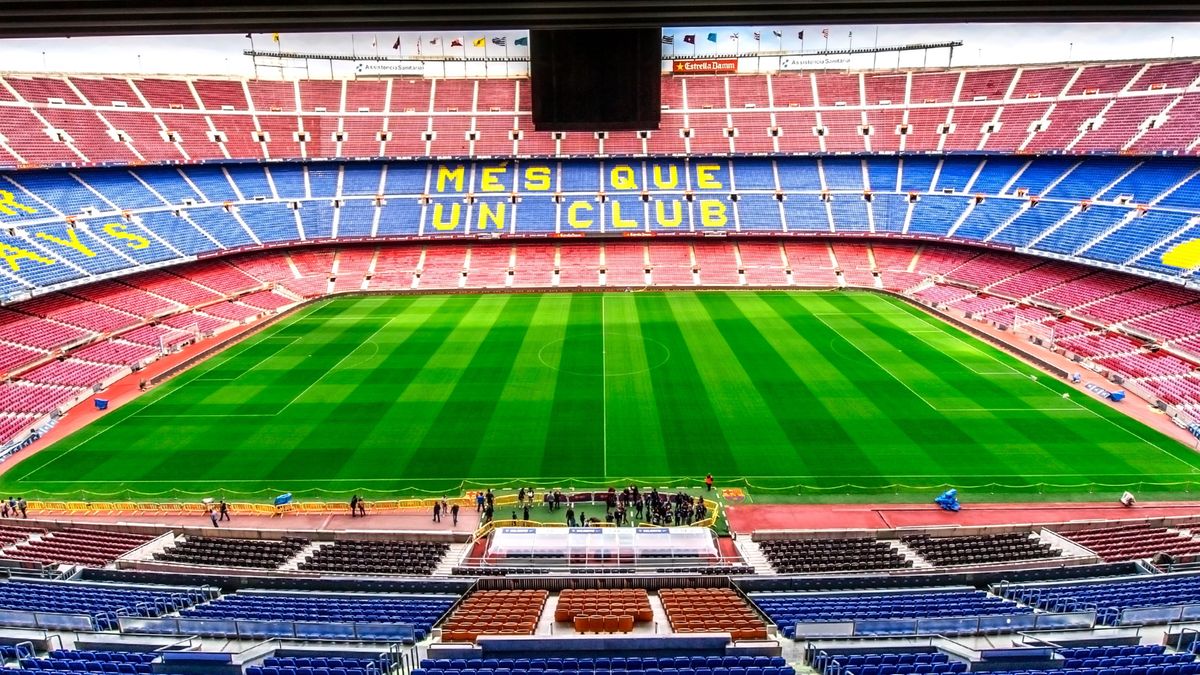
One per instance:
(551, 339)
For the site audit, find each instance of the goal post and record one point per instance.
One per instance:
(164, 340)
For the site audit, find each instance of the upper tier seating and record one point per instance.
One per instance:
(984, 548)
(1109, 597)
(501, 612)
(260, 553)
(86, 120)
(711, 610)
(419, 610)
(376, 557)
(785, 609)
(1133, 542)
(924, 662)
(802, 556)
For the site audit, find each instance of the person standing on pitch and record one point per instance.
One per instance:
(570, 516)
(708, 482)
(454, 514)
(224, 509)
(354, 506)
(212, 515)
(437, 512)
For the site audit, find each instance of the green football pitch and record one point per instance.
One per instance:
(824, 393)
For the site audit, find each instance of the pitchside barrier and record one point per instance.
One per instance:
(975, 625)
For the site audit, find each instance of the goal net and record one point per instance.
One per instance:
(177, 337)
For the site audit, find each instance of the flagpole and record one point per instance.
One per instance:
(442, 45)
(254, 58)
(376, 43)
(875, 54)
(506, 58)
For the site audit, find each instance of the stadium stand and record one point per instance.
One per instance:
(495, 612)
(258, 553)
(1112, 599)
(421, 611)
(101, 601)
(786, 609)
(603, 611)
(803, 556)
(976, 549)
(711, 610)
(75, 546)
(717, 665)
(376, 557)
(1133, 542)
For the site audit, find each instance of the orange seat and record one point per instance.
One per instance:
(625, 624)
(611, 624)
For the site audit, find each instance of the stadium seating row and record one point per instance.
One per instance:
(1085, 108)
(1137, 214)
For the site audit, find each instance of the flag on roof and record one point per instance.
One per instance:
(689, 39)
(712, 37)
(479, 42)
(500, 41)
(433, 41)
(456, 42)
(778, 34)
(825, 33)
(521, 42)
(396, 44)
(757, 36)
(668, 39)
(274, 37)
(801, 35)
(734, 37)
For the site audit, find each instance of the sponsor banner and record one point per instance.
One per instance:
(704, 66)
(389, 68)
(813, 62)
(13, 447)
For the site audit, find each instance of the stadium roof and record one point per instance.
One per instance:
(62, 18)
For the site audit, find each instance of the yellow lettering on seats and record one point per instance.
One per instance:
(712, 213)
(71, 242)
(618, 221)
(670, 181)
(573, 215)
(486, 214)
(623, 178)
(119, 230)
(11, 254)
(446, 173)
(705, 179)
(676, 214)
(488, 181)
(9, 204)
(537, 178)
(439, 223)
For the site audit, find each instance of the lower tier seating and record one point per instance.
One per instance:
(260, 553)
(499, 612)
(801, 556)
(711, 610)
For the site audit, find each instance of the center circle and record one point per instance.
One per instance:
(657, 355)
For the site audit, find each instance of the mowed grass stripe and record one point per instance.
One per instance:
(575, 439)
(749, 426)
(631, 413)
(516, 434)
(687, 415)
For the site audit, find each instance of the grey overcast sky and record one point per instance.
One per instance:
(983, 44)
